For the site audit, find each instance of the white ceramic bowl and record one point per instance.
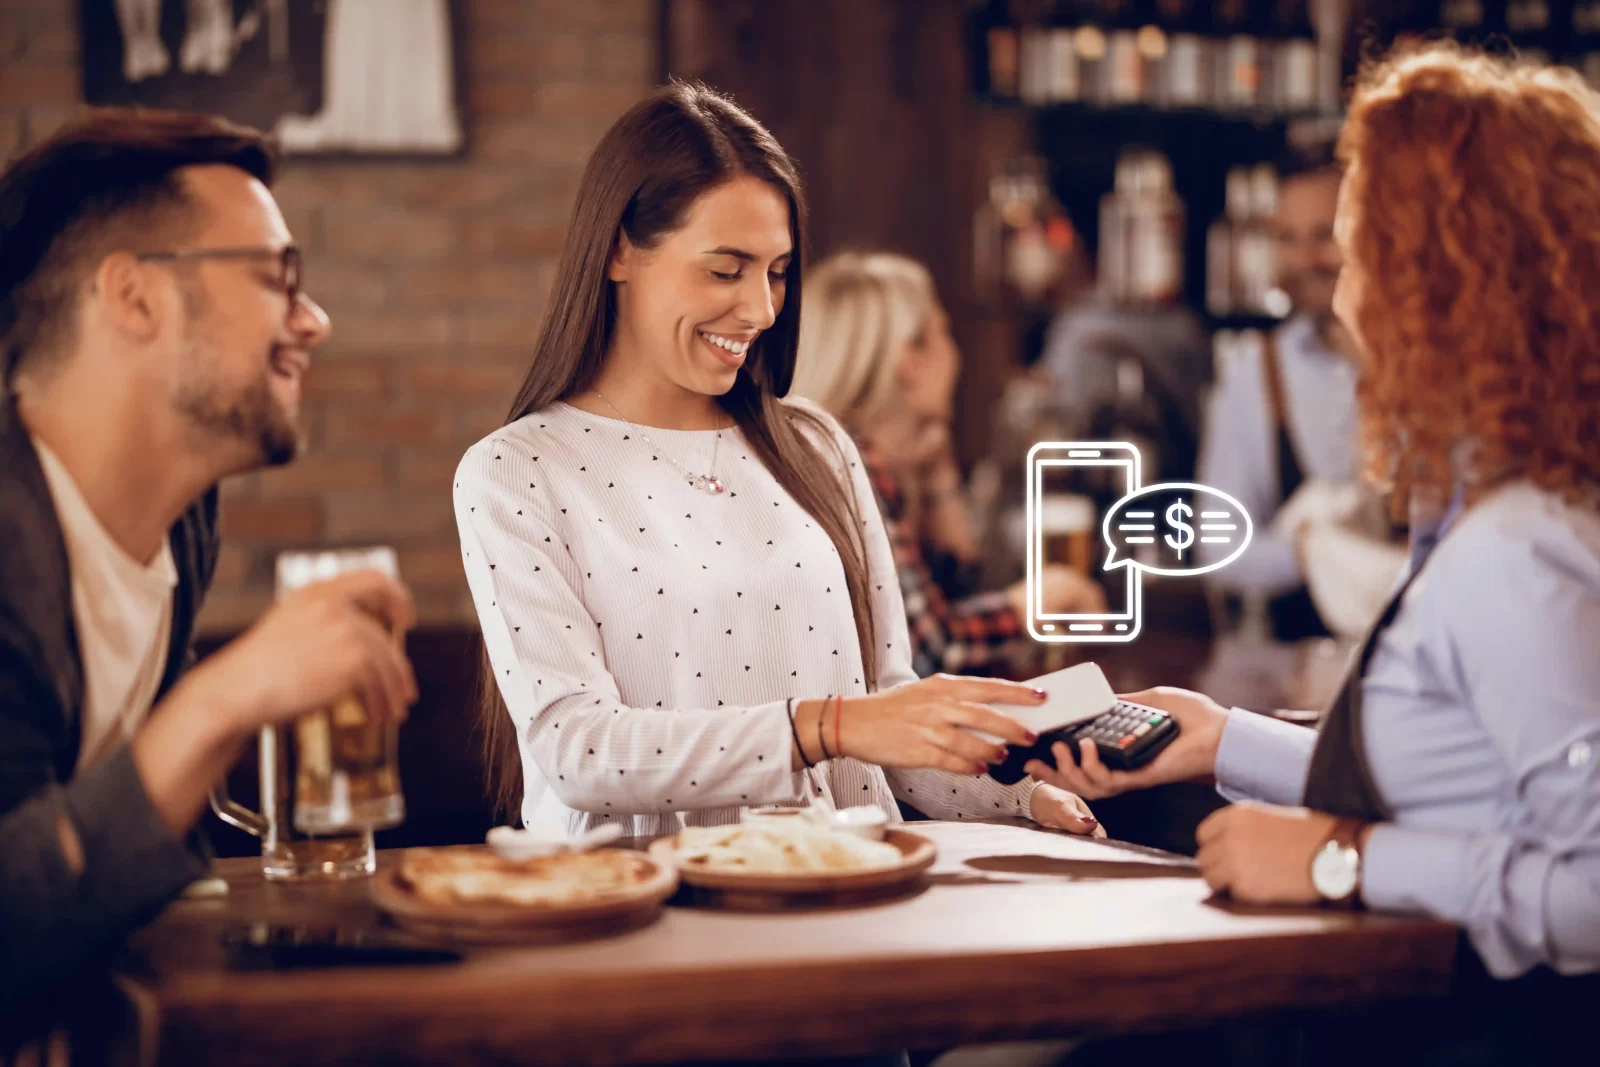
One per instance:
(865, 821)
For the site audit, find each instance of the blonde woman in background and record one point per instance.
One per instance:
(876, 352)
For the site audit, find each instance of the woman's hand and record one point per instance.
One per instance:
(1192, 754)
(1061, 810)
(1062, 590)
(922, 724)
(1261, 853)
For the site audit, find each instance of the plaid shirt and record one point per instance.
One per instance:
(952, 630)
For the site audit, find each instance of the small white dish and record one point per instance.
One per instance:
(779, 813)
(514, 844)
(865, 821)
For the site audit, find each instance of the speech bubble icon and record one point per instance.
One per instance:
(1177, 519)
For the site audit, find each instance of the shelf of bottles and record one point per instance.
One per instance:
(1540, 31)
(1024, 242)
(1257, 60)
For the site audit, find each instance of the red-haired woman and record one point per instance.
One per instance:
(1458, 772)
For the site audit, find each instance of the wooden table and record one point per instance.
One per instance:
(1018, 934)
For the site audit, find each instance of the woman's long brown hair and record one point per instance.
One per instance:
(648, 170)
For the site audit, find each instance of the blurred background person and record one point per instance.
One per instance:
(1280, 430)
(1119, 370)
(876, 353)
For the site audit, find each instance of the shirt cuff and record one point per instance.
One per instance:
(1262, 758)
(1024, 791)
(1415, 871)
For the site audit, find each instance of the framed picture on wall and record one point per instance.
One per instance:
(327, 76)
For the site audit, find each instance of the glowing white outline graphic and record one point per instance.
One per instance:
(1129, 561)
(1135, 614)
(1136, 586)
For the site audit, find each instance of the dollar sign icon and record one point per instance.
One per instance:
(1185, 532)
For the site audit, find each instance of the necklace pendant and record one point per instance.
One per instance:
(713, 485)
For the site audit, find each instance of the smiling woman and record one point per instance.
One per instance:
(687, 596)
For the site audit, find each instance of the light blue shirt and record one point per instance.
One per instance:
(1481, 723)
(1239, 449)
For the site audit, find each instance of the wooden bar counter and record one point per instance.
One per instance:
(1018, 934)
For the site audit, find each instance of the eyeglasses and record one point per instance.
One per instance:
(291, 264)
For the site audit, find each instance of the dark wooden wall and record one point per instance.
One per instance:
(871, 99)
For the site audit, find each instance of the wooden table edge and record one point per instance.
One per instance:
(794, 1008)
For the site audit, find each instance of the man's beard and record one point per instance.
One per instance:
(249, 414)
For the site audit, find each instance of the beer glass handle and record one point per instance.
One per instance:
(237, 815)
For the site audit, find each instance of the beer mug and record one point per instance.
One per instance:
(331, 777)
(1066, 527)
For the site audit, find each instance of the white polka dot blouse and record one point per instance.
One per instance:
(647, 635)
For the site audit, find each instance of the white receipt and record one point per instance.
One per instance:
(1075, 694)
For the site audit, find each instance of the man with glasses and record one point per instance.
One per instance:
(153, 339)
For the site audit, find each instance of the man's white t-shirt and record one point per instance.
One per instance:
(123, 612)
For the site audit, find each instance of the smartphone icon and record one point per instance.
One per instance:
(1071, 486)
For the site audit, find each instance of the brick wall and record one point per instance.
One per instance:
(434, 273)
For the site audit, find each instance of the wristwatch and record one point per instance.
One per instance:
(1336, 866)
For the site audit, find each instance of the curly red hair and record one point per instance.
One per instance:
(1472, 225)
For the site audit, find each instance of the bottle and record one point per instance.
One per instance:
(1221, 272)
(1141, 232)
(1090, 44)
(1237, 72)
(1034, 82)
(1186, 70)
(1033, 50)
(1123, 76)
(1327, 20)
(1293, 58)
(1586, 39)
(999, 73)
(1112, 268)
(1528, 23)
(1462, 18)
(1065, 85)
(1585, 17)
(1155, 48)
(1022, 235)
(1527, 16)
(1254, 258)
(1158, 225)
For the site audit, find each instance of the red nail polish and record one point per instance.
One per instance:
(1033, 738)
(1090, 820)
(1040, 693)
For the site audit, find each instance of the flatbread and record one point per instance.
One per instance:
(774, 846)
(461, 876)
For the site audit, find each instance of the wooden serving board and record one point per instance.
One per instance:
(498, 924)
(768, 891)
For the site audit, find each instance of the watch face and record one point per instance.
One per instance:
(1335, 871)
